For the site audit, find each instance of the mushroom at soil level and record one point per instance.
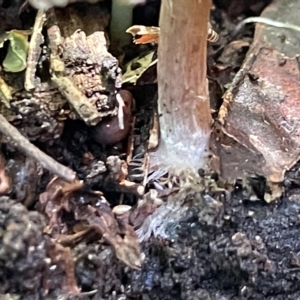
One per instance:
(183, 101)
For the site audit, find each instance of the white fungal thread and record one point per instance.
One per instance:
(120, 111)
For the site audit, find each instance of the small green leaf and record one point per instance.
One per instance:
(15, 60)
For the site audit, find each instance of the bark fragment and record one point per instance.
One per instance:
(260, 110)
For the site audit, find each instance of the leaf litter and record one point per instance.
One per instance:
(79, 227)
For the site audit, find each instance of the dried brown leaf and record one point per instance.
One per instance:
(56, 199)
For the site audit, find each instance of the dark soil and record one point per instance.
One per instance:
(248, 250)
(222, 248)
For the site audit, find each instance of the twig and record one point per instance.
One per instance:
(34, 50)
(21, 143)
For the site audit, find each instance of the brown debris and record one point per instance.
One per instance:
(84, 72)
(93, 69)
(62, 257)
(82, 67)
(127, 248)
(25, 173)
(40, 114)
(23, 145)
(56, 200)
(59, 197)
(260, 110)
(77, 100)
(118, 171)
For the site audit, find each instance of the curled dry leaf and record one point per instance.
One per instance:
(144, 34)
(115, 230)
(69, 240)
(56, 199)
(126, 246)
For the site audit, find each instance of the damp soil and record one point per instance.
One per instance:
(223, 247)
(243, 250)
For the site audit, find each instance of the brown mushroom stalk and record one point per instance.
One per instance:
(183, 101)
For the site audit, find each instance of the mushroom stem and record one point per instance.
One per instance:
(183, 101)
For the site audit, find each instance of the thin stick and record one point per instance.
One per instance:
(22, 144)
(34, 50)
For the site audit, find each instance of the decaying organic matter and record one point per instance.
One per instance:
(260, 109)
(59, 197)
(85, 72)
(114, 232)
(30, 256)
